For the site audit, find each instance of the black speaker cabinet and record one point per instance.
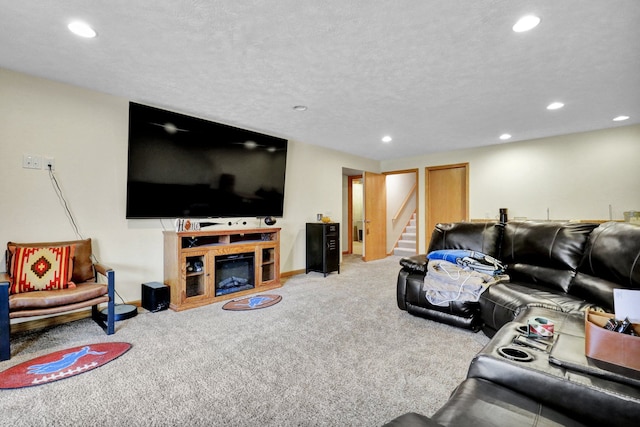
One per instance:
(155, 296)
(323, 247)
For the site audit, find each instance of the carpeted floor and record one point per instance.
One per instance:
(335, 351)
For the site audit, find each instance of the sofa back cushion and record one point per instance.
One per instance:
(480, 237)
(611, 260)
(546, 253)
(82, 264)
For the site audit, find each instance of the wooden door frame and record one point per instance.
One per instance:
(426, 194)
(350, 211)
(415, 171)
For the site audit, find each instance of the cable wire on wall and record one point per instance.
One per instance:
(63, 201)
(69, 214)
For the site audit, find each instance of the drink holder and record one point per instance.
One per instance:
(516, 354)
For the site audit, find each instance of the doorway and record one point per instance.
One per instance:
(356, 215)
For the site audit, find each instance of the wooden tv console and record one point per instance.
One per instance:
(190, 263)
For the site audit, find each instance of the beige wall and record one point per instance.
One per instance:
(86, 133)
(577, 176)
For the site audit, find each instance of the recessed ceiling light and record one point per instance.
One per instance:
(620, 118)
(555, 106)
(505, 136)
(250, 145)
(526, 23)
(300, 107)
(386, 138)
(82, 29)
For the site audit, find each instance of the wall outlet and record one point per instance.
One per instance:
(30, 161)
(49, 161)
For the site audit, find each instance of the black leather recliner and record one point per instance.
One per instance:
(481, 237)
(557, 270)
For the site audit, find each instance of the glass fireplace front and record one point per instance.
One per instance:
(234, 273)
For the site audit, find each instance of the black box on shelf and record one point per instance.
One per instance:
(155, 296)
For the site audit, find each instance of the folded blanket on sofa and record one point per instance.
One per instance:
(467, 259)
(447, 281)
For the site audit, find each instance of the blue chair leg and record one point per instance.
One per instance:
(111, 311)
(5, 326)
(109, 324)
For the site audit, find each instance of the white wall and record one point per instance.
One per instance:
(86, 132)
(398, 187)
(575, 176)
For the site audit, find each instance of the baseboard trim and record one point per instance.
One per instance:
(292, 273)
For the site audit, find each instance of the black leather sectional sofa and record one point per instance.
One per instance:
(556, 271)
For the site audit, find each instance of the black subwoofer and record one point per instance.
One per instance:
(155, 296)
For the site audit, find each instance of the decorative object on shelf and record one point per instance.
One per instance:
(252, 302)
(319, 217)
(187, 225)
(503, 215)
(326, 219)
(632, 216)
(269, 220)
(61, 364)
(209, 224)
(191, 225)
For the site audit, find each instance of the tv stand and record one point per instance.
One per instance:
(193, 263)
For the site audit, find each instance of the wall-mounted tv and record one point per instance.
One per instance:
(181, 166)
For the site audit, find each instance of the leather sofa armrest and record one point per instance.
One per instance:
(412, 419)
(415, 263)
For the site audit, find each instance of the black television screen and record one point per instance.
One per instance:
(181, 166)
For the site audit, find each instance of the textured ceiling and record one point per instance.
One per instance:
(435, 75)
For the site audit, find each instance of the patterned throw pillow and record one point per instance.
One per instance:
(42, 269)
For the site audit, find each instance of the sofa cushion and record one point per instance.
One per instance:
(46, 299)
(611, 260)
(482, 237)
(41, 269)
(546, 253)
(82, 264)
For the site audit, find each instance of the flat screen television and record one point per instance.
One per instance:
(186, 167)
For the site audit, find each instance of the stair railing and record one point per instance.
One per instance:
(405, 202)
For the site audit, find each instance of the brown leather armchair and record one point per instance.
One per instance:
(88, 292)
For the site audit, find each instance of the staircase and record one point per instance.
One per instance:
(407, 244)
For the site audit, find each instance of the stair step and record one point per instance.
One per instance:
(409, 236)
(410, 229)
(404, 252)
(407, 244)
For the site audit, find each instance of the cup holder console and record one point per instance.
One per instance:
(513, 353)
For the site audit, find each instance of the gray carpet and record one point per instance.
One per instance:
(336, 351)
